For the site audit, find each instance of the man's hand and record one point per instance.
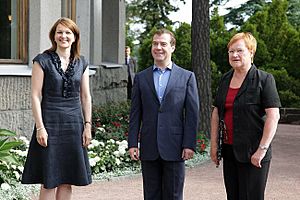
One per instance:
(134, 153)
(187, 154)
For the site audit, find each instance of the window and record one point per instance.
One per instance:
(69, 9)
(13, 29)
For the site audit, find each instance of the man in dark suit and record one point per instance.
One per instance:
(164, 119)
(131, 70)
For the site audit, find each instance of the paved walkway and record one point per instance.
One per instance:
(205, 182)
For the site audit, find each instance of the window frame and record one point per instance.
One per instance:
(69, 9)
(22, 11)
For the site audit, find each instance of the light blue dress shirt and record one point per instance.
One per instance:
(161, 78)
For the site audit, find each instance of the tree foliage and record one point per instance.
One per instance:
(218, 45)
(183, 52)
(150, 14)
(278, 47)
(237, 16)
(293, 13)
(278, 41)
(275, 25)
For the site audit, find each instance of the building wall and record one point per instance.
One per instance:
(15, 104)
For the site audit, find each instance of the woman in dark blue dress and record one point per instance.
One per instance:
(61, 106)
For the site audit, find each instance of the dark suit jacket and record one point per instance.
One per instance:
(169, 126)
(131, 68)
(257, 93)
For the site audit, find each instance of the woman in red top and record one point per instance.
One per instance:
(247, 101)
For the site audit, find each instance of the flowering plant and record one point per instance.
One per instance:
(11, 163)
(108, 156)
(111, 121)
(202, 143)
(12, 159)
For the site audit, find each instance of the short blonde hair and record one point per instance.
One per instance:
(249, 39)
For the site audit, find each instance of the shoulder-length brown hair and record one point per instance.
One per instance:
(75, 48)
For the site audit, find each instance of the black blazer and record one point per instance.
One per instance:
(257, 92)
(164, 128)
(132, 68)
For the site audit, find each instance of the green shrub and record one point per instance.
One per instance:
(111, 121)
(13, 153)
(10, 166)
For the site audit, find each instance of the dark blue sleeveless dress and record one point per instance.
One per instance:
(64, 160)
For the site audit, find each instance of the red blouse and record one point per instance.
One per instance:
(228, 117)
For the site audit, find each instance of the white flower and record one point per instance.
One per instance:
(101, 129)
(21, 168)
(112, 141)
(92, 162)
(123, 143)
(118, 162)
(122, 151)
(95, 142)
(90, 152)
(20, 152)
(23, 153)
(97, 158)
(24, 139)
(17, 175)
(116, 153)
(5, 186)
(91, 146)
(101, 144)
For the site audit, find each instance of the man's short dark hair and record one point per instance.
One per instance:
(163, 31)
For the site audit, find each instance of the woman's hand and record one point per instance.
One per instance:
(213, 155)
(87, 135)
(214, 136)
(257, 157)
(42, 137)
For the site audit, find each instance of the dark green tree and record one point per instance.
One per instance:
(287, 87)
(145, 58)
(219, 37)
(183, 52)
(150, 14)
(237, 16)
(278, 41)
(293, 13)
